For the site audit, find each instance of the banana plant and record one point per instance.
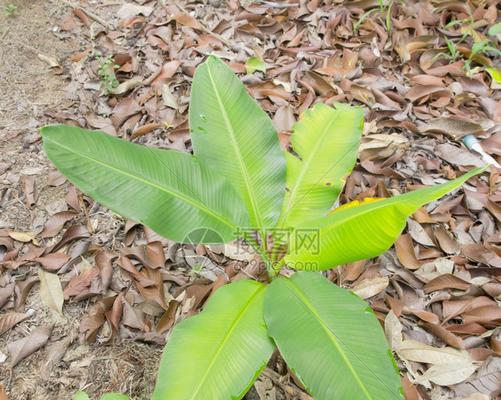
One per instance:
(80, 395)
(239, 180)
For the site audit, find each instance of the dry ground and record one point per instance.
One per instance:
(312, 55)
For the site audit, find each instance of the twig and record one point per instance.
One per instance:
(205, 29)
(90, 14)
(53, 63)
(279, 5)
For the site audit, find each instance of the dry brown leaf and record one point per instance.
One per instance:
(452, 127)
(24, 237)
(53, 262)
(419, 234)
(412, 350)
(11, 319)
(74, 232)
(92, 322)
(187, 20)
(3, 393)
(51, 291)
(458, 155)
(446, 281)
(393, 330)
(128, 10)
(448, 374)
(79, 286)
(445, 240)
(370, 287)
(487, 380)
(404, 249)
(22, 348)
(446, 336)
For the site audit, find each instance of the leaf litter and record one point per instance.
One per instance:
(437, 291)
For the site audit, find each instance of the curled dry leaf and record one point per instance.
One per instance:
(393, 330)
(404, 249)
(22, 348)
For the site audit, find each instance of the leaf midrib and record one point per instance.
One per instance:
(164, 189)
(355, 212)
(304, 169)
(309, 306)
(225, 339)
(236, 149)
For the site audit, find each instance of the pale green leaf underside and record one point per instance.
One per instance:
(331, 339)
(235, 137)
(220, 352)
(326, 141)
(167, 190)
(363, 231)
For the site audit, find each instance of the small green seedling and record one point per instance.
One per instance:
(106, 73)
(10, 9)
(240, 184)
(479, 45)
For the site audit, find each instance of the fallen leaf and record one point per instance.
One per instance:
(128, 10)
(487, 380)
(11, 319)
(24, 237)
(449, 374)
(446, 281)
(51, 291)
(55, 223)
(404, 249)
(452, 127)
(53, 262)
(370, 287)
(412, 350)
(393, 330)
(22, 348)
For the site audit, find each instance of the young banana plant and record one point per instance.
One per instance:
(239, 179)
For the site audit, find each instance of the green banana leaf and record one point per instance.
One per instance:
(326, 141)
(235, 137)
(114, 396)
(219, 353)
(80, 395)
(331, 339)
(360, 232)
(167, 190)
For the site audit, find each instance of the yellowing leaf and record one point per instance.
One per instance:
(355, 203)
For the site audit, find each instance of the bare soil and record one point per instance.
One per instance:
(30, 91)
